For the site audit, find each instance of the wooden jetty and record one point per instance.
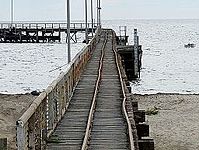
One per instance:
(87, 107)
(40, 32)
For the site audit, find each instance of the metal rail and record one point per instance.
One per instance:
(130, 131)
(90, 118)
(91, 113)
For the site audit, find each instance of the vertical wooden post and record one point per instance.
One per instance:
(20, 35)
(43, 34)
(21, 142)
(31, 135)
(136, 63)
(59, 33)
(37, 34)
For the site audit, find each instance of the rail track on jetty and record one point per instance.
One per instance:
(96, 117)
(86, 107)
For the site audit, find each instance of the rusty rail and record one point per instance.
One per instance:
(91, 113)
(41, 118)
(90, 117)
(130, 131)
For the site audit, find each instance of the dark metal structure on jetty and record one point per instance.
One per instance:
(131, 55)
(40, 32)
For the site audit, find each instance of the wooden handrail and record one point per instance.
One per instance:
(47, 109)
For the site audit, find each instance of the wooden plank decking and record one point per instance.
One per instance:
(109, 126)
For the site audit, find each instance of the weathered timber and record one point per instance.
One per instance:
(139, 116)
(142, 130)
(146, 144)
(46, 111)
(131, 56)
(109, 129)
(87, 107)
(108, 124)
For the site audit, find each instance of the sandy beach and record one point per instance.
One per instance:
(175, 126)
(11, 108)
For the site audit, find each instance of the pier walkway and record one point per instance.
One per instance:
(87, 107)
(109, 129)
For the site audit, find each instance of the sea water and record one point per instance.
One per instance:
(26, 67)
(167, 66)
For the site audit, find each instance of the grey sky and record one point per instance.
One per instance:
(36, 10)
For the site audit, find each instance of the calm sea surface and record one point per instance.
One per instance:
(168, 67)
(27, 67)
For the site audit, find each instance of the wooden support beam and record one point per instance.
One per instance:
(139, 116)
(146, 144)
(142, 130)
(135, 106)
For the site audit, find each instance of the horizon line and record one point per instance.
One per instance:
(75, 20)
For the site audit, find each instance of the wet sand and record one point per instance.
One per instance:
(176, 126)
(11, 108)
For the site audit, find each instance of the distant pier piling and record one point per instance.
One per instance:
(40, 32)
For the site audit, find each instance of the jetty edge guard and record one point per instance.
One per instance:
(132, 131)
(131, 55)
(40, 119)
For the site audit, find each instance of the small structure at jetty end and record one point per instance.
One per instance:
(131, 55)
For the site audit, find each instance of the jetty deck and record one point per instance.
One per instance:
(86, 107)
(109, 130)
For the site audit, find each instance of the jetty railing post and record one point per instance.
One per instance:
(68, 30)
(86, 22)
(21, 140)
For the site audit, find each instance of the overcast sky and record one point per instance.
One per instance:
(53, 10)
